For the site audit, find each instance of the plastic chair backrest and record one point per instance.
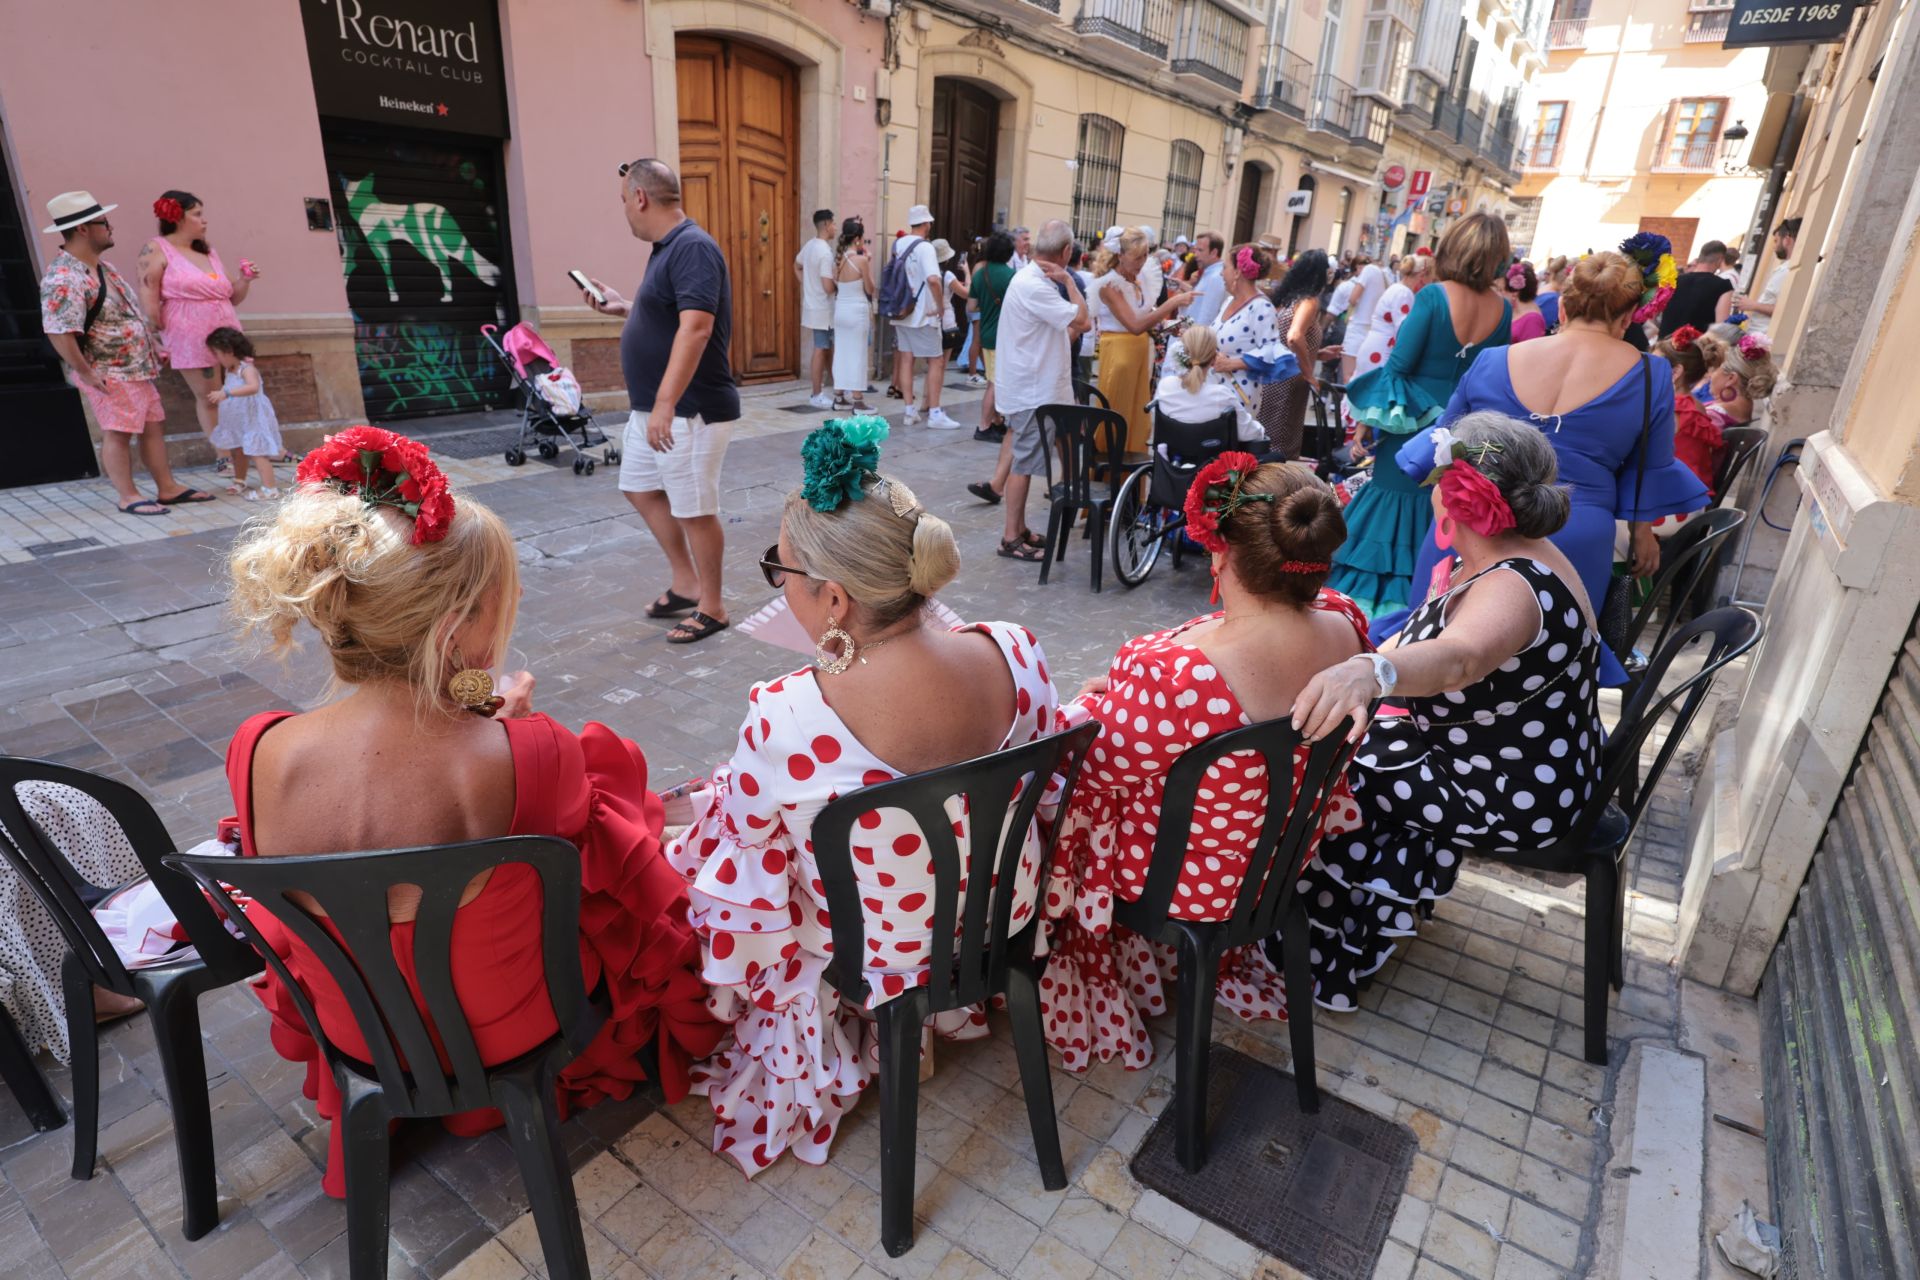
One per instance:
(351, 889)
(67, 895)
(1690, 553)
(1742, 446)
(1010, 783)
(1193, 444)
(1085, 393)
(1078, 431)
(1285, 835)
(1731, 632)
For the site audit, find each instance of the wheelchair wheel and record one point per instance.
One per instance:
(515, 457)
(589, 466)
(1138, 530)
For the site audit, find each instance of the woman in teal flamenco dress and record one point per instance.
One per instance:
(1447, 329)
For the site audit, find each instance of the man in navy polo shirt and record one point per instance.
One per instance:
(673, 352)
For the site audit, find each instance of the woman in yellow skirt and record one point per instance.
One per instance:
(1122, 313)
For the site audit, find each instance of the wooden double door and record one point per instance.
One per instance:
(739, 139)
(966, 129)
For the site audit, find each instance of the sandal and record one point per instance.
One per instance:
(189, 495)
(695, 628)
(1021, 549)
(236, 490)
(671, 604)
(144, 507)
(983, 490)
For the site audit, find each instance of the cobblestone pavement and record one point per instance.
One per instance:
(116, 659)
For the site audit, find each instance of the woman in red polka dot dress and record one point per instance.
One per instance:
(1277, 528)
(1395, 305)
(858, 562)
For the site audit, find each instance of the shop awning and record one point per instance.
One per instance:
(1345, 175)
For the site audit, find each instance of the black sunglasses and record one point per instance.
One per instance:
(774, 572)
(630, 165)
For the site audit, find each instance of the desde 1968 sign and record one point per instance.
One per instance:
(1771, 22)
(430, 64)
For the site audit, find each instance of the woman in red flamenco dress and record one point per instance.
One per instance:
(407, 585)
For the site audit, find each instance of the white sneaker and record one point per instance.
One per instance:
(975, 380)
(939, 421)
(912, 414)
(822, 401)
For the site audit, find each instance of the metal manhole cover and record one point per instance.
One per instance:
(1318, 1192)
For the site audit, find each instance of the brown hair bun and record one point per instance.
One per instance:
(1302, 524)
(1604, 286)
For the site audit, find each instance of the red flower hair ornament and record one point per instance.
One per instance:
(1684, 337)
(385, 469)
(1472, 499)
(167, 209)
(1216, 494)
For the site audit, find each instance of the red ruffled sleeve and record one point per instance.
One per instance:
(1697, 441)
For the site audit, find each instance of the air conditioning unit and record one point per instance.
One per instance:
(1300, 203)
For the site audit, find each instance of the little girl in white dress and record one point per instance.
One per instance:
(248, 429)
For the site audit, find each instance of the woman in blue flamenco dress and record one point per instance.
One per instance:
(1592, 394)
(1448, 328)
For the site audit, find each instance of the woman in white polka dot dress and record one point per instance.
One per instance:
(1164, 693)
(1499, 744)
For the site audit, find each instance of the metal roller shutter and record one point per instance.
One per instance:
(1840, 1009)
(422, 229)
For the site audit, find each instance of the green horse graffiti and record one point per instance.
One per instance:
(433, 232)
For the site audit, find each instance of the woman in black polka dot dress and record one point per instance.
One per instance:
(1499, 744)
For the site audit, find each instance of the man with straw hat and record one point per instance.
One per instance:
(93, 320)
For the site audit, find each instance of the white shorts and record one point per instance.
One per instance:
(688, 473)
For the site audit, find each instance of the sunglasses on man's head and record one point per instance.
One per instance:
(773, 571)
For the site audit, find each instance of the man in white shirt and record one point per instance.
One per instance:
(1370, 283)
(1033, 366)
(1730, 265)
(917, 335)
(814, 265)
(1022, 248)
(1210, 287)
(1760, 309)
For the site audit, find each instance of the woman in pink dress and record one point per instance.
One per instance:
(858, 559)
(1522, 288)
(1277, 527)
(188, 293)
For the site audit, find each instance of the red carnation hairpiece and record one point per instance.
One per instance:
(1216, 494)
(385, 469)
(167, 209)
(1684, 337)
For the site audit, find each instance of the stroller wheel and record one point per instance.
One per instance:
(589, 466)
(548, 449)
(579, 466)
(515, 457)
(613, 457)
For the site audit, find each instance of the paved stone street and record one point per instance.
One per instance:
(117, 659)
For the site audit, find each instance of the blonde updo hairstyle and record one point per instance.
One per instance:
(385, 608)
(1202, 346)
(1106, 259)
(1757, 374)
(890, 564)
(1414, 266)
(1302, 523)
(1603, 287)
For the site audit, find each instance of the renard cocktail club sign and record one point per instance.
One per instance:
(429, 64)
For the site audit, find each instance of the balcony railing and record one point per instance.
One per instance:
(1286, 83)
(1693, 152)
(1473, 129)
(1541, 151)
(1210, 43)
(1567, 33)
(1502, 147)
(1146, 25)
(1331, 110)
(1708, 26)
(1446, 120)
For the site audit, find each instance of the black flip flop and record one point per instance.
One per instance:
(671, 604)
(695, 628)
(188, 496)
(144, 507)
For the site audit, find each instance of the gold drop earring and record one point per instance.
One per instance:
(830, 663)
(471, 688)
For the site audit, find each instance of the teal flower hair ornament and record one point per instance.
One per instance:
(839, 458)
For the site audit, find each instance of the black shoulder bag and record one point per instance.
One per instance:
(1616, 613)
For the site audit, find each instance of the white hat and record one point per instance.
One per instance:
(942, 251)
(919, 214)
(1181, 240)
(71, 208)
(1153, 237)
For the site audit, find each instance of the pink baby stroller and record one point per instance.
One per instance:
(553, 410)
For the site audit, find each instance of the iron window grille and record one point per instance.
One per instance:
(1096, 177)
(1183, 192)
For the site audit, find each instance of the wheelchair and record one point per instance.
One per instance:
(1149, 511)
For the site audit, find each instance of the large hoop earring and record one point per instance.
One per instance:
(471, 689)
(830, 663)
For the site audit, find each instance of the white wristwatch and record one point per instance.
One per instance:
(1384, 673)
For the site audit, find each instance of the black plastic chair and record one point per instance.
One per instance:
(1087, 395)
(22, 1074)
(1686, 560)
(1742, 446)
(1092, 446)
(171, 991)
(995, 956)
(1268, 902)
(351, 888)
(1596, 845)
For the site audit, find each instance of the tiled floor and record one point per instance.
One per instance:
(118, 660)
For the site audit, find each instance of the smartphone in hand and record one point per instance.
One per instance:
(586, 286)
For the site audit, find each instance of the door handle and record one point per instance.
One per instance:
(766, 293)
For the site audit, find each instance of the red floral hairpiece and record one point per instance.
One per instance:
(167, 209)
(1306, 566)
(1216, 494)
(387, 470)
(1683, 338)
(1475, 501)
